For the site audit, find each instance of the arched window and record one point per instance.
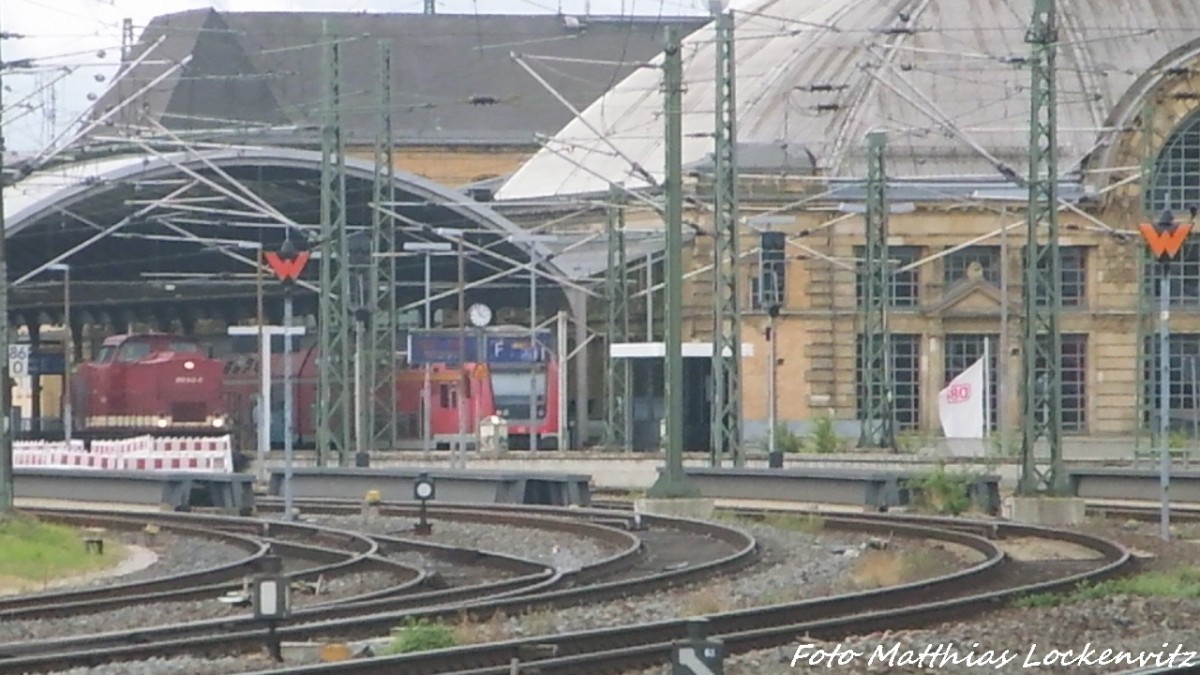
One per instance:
(1175, 186)
(1176, 178)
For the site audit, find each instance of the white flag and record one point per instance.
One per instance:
(961, 403)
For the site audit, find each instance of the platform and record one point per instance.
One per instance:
(874, 490)
(178, 491)
(468, 487)
(1132, 484)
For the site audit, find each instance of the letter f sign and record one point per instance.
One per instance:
(287, 270)
(1165, 244)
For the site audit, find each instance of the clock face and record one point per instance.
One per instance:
(480, 314)
(424, 490)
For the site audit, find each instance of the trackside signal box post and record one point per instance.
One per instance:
(272, 601)
(698, 655)
(1165, 240)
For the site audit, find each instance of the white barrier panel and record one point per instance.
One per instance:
(142, 453)
(124, 446)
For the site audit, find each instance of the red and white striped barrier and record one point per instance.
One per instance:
(143, 453)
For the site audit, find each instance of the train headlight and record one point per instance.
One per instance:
(189, 365)
(161, 423)
(218, 422)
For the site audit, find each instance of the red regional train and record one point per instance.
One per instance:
(499, 389)
(149, 383)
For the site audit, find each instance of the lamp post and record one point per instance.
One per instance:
(429, 249)
(459, 456)
(773, 307)
(535, 259)
(1165, 239)
(287, 264)
(68, 350)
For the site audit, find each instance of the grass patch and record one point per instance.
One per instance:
(1183, 582)
(420, 635)
(884, 568)
(805, 523)
(31, 550)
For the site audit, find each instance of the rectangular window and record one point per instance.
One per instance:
(1183, 273)
(1073, 275)
(1072, 394)
(964, 349)
(1074, 382)
(444, 396)
(906, 380)
(957, 265)
(906, 285)
(769, 287)
(1184, 384)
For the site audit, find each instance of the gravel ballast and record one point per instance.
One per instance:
(555, 549)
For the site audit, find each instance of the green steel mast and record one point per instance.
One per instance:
(726, 433)
(617, 383)
(334, 418)
(877, 421)
(1042, 345)
(673, 483)
(381, 419)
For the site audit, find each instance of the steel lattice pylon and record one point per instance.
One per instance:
(1147, 374)
(618, 429)
(1042, 348)
(334, 405)
(726, 433)
(382, 346)
(877, 421)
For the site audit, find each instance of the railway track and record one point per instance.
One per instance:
(997, 579)
(299, 546)
(370, 617)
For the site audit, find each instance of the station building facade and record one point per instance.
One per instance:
(1129, 148)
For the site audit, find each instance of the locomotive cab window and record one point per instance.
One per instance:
(133, 351)
(183, 346)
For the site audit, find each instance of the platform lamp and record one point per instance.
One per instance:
(424, 489)
(68, 349)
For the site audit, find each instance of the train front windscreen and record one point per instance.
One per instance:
(510, 390)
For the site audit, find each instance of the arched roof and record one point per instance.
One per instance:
(110, 219)
(941, 75)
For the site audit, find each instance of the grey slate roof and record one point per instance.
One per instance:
(453, 81)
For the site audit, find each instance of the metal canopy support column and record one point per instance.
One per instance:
(1041, 350)
(672, 482)
(877, 422)
(726, 434)
(333, 409)
(618, 431)
(381, 382)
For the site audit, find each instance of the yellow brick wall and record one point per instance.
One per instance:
(816, 373)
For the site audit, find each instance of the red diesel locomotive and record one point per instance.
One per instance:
(149, 383)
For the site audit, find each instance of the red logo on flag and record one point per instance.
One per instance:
(959, 393)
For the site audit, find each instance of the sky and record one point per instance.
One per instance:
(42, 102)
